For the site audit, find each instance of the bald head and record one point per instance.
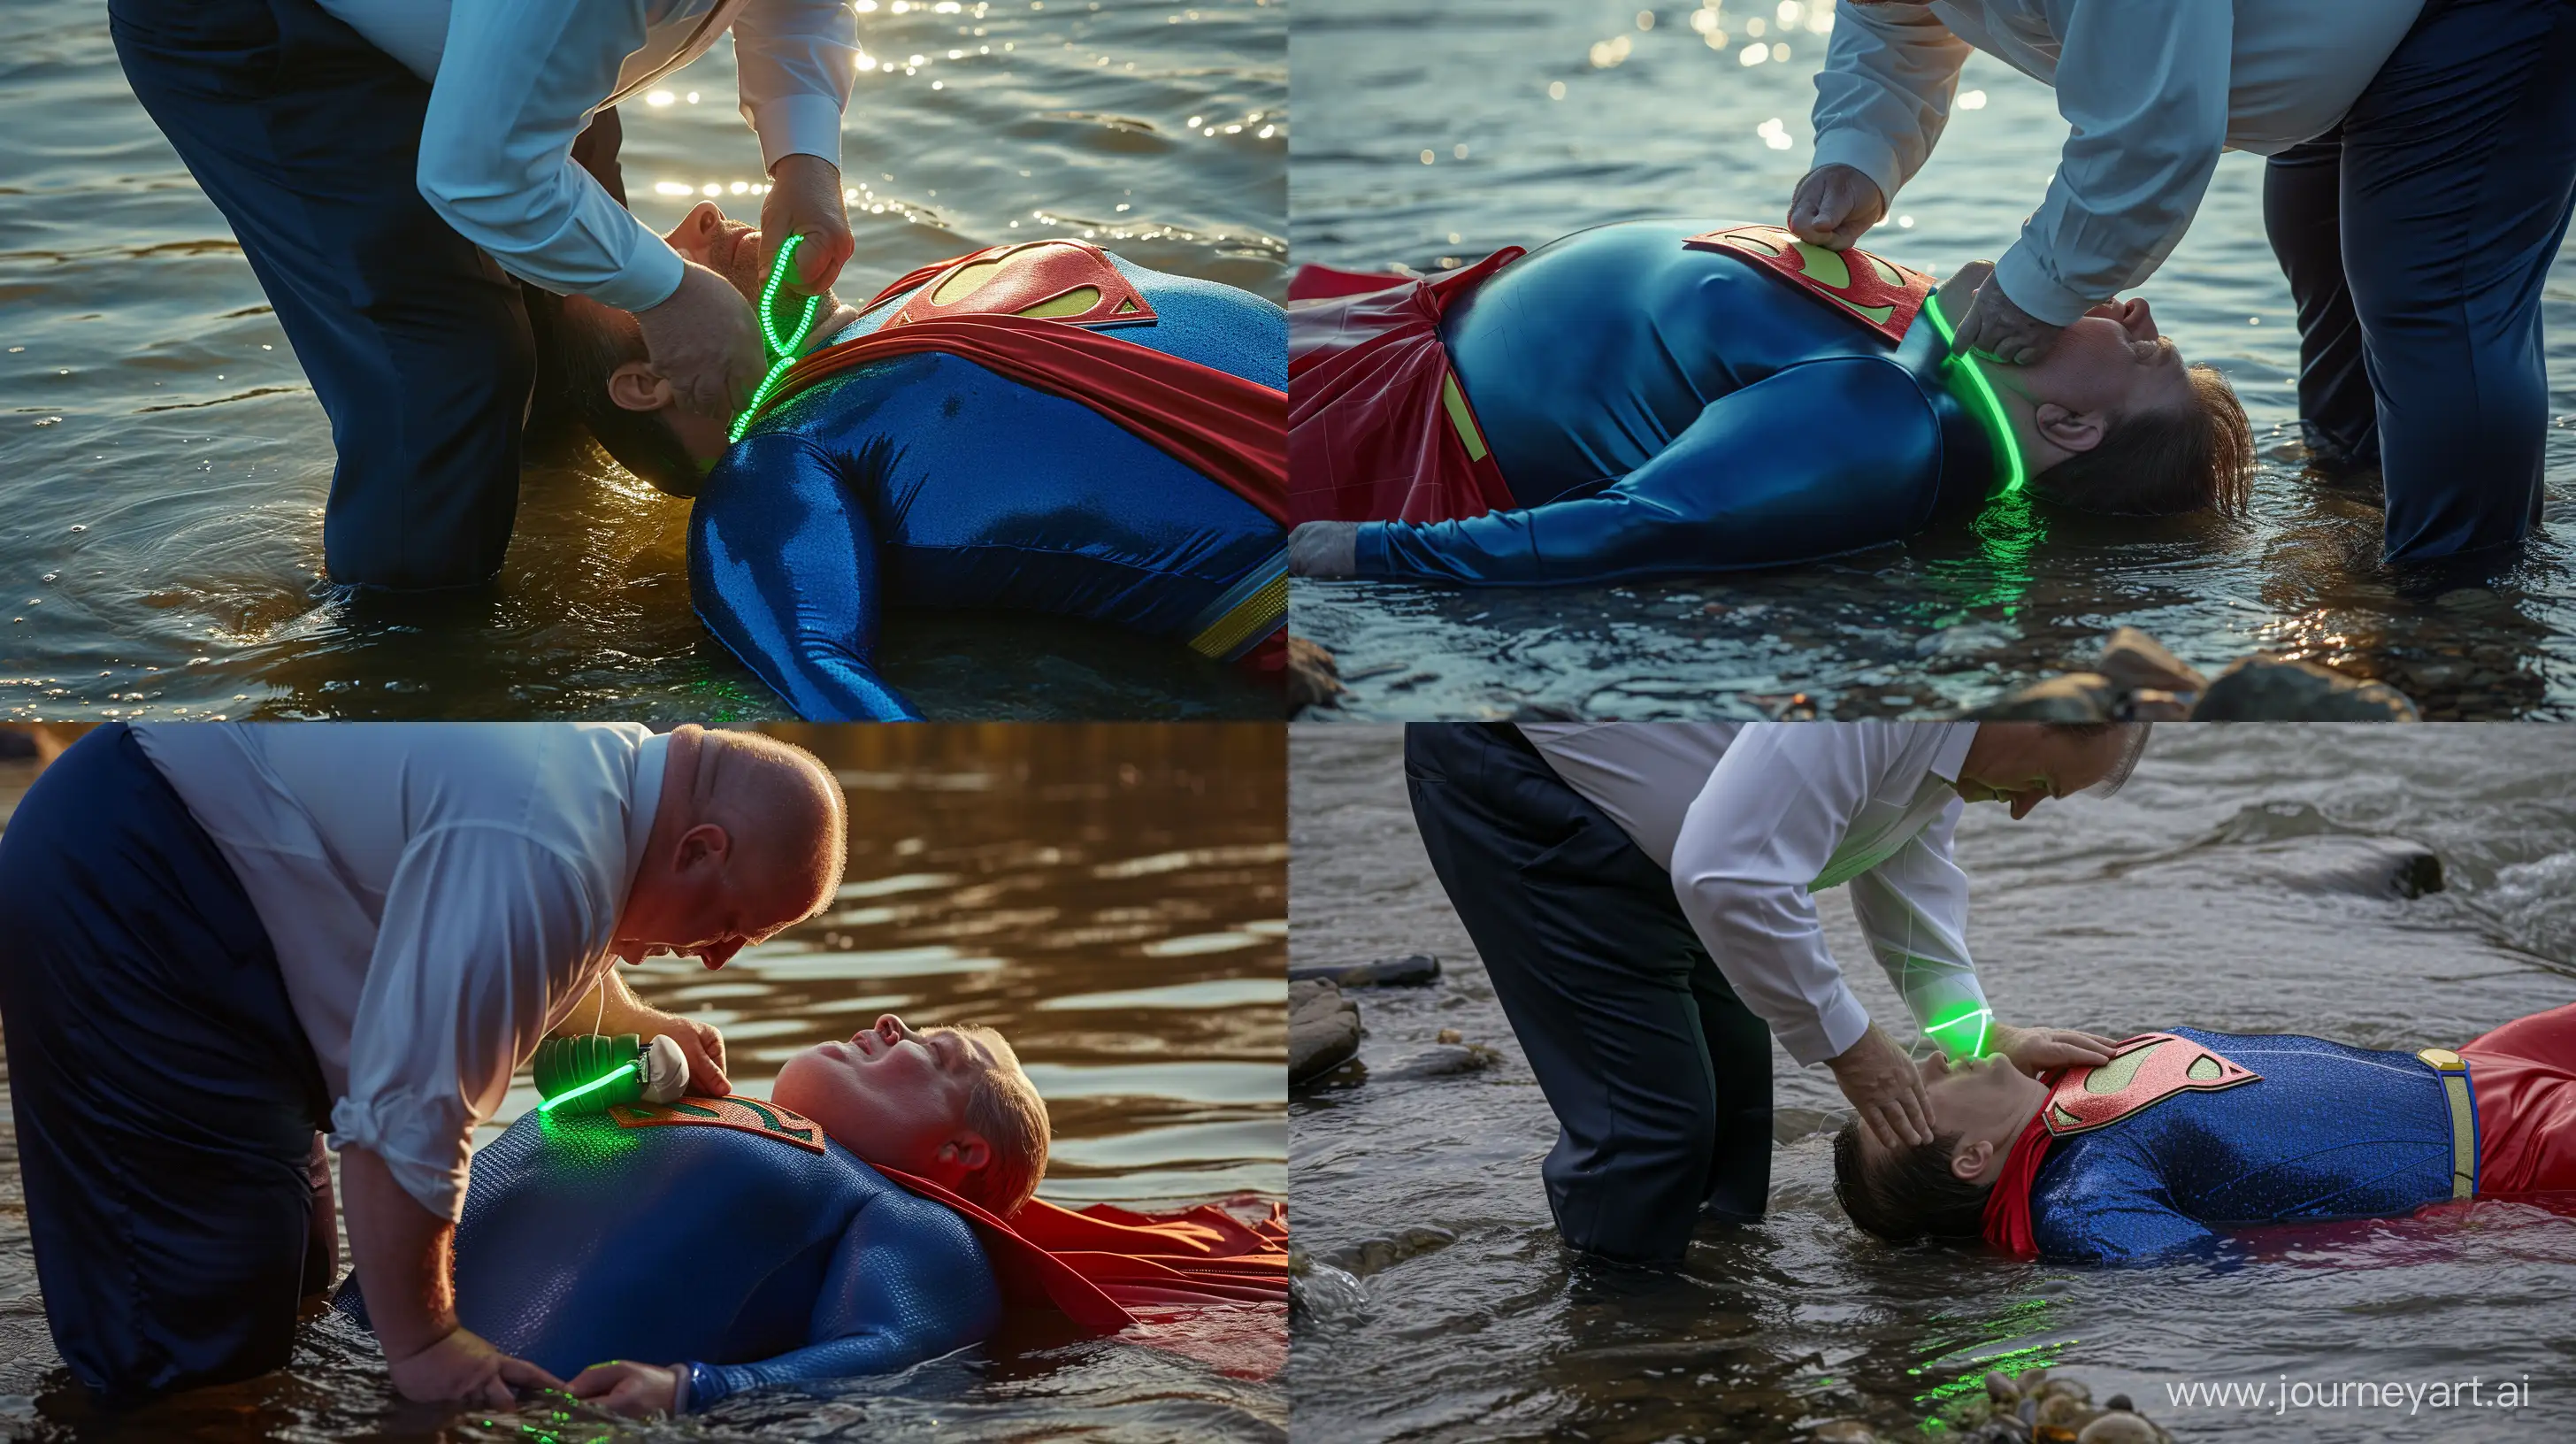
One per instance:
(749, 837)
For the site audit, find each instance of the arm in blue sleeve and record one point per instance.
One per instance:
(1820, 459)
(783, 569)
(2117, 1212)
(909, 1283)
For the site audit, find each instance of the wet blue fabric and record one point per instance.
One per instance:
(1659, 1076)
(307, 138)
(1660, 412)
(2330, 1132)
(2417, 236)
(166, 1101)
(929, 481)
(749, 1260)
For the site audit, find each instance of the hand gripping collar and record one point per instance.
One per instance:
(2143, 1071)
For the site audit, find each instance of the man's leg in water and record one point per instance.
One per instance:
(2524, 1078)
(2459, 164)
(166, 1100)
(1659, 1076)
(307, 138)
(2303, 216)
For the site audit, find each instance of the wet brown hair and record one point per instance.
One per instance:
(2164, 463)
(1911, 1193)
(578, 348)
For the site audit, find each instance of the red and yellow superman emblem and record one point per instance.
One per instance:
(749, 1115)
(1882, 294)
(1051, 280)
(2143, 1071)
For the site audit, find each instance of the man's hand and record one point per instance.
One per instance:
(1996, 328)
(1833, 205)
(703, 1045)
(1882, 1084)
(2035, 1050)
(623, 1387)
(1324, 549)
(704, 342)
(463, 1368)
(805, 200)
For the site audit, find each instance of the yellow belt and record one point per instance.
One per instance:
(2464, 1118)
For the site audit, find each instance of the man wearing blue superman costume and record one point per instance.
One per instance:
(2185, 1134)
(1041, 427)
(874, 1213)
(1661, 398)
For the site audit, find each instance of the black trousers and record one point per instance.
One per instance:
(1659, 1075)
(418, 346)
(2416, 236)
(166, 1100)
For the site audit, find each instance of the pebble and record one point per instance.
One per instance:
(1323, 1030)
(2074, 697)
(2133, 660)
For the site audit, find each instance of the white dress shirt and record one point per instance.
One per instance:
(439, 896)
(2153, 89)
(514, 81)
(1752, 819)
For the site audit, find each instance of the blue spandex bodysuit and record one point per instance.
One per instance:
(2329, 1132)
(1659, 411)
(930, 481)
(750, 1259)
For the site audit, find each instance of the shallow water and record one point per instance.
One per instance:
(1111, 898)
(1429, 138)
(2211, 890)
(163, 463)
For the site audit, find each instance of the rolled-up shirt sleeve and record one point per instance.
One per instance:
(516, 84)
(483, 929)
(1884, 92)
(795, 61)
(1913, 908)
(2144, 89)
(1761, 830)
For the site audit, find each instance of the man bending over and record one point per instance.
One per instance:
(1661, 399)
(1042, 427)
(2185, 1134)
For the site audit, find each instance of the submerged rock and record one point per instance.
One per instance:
(1314, 679)
(1844, 1431)
(1368, 1256)
(1414, 970)
(1323, 1030)
(2134, 662)
(2275, 689)
(2074, 697)
(1443, 1060)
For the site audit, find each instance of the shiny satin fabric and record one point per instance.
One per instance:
(1665, 411)
(929, 481)
(751, 1261)
(2328, 1132)
(2523, 1076)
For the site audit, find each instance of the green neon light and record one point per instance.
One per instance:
(1982, 391)
(1979, 1018)
(593, 1086)
(782, 349)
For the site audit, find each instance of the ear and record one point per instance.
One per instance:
(968, 1151)
(636, 386)
(2072, 431)
(706, 842)
(1968, 1165)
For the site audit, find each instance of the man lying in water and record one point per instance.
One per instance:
(1658, 399)
(720, 1244)
(2185, 1134)
(1103, 443)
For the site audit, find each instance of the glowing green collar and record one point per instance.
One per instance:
(1963, 1033)
(1960, 373)
(783, 349)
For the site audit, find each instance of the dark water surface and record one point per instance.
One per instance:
(163, 462)
(1111, 898)
(1429, 138)
(2219, 888)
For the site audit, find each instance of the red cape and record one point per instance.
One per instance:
(1218, 424)
(1094, 1265)
(2008, 1206)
